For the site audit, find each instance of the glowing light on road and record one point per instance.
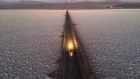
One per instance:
(70, 45)
(71, 54)
(75, 42)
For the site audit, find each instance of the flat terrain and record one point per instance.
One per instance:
(30, 42)
(111, 40)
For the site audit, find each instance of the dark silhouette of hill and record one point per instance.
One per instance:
(1, 2)
(75, 5)
(128, 5)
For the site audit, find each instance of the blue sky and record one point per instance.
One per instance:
(73, 0)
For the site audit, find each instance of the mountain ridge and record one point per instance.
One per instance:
(70, 5)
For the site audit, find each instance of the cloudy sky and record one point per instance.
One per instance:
(72, 0)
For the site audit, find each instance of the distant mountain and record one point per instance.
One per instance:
(38, 5)
(1, 2)
(112, 0)
(128, 5)
(75, 5)
(31, 2)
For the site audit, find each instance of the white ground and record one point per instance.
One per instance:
(30, 43)
(112, 41)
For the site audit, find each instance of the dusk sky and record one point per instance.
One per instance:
(73, 0)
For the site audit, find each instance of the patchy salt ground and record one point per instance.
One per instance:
(112, 41)
(29, 43)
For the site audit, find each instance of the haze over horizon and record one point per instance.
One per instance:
(68, 0)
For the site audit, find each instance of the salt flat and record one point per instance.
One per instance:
(112, 41)
(30, 42)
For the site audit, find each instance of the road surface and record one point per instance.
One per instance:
(73, 62)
